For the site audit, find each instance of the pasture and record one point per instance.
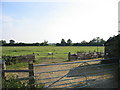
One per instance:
(90, 71)
(60, 54)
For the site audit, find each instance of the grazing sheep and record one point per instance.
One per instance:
(50, 53)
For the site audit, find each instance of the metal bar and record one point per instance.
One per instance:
(61, 80)
(68, 83)
(52, 71)
(67, 79)
(49, 78)
(16, 70)
(77, 78)
(74, 85)
(97, 65)
(71, 62)
(73, 68)
(91, 72)
(77, 82)
(92, 84)
(101, 74)
(84, 83)
(55, 81)
(72, 76)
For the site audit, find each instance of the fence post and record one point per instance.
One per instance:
(31, 75)
(3, 68)
(69, 56)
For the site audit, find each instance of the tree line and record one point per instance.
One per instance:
(94, 42)
(13, 43)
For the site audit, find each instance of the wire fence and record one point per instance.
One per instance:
(60, 54)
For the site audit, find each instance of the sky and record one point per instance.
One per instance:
(53, 20)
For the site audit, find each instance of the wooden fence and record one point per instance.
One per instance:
(78, 74)
(30, 71)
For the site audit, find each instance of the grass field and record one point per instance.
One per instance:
(60, 53)
(24, 50)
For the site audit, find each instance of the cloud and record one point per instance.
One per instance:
(77, 21)
(7, 23)
(84, 21)
(6, 19)
(27, 29)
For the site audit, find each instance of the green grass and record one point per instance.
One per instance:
(60, 53)
(17, 66)
(23, 50)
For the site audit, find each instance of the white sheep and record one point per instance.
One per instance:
(50, 53)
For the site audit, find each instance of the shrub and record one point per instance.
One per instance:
(12, 81)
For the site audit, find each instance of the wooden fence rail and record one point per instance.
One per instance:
(16, 71)
(30, 71)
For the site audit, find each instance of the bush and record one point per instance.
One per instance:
(12, 81)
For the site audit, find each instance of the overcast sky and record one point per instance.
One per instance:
(76, 20)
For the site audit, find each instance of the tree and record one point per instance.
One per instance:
(36, 44)
(58, 44)
(76, 44)
(21, 44)
(63, 43)
(94, 41)
(12, 42)
(2, 42)
(102, 41)
(97, 41)
(45, 43)
(69, 42)
(84, 42)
